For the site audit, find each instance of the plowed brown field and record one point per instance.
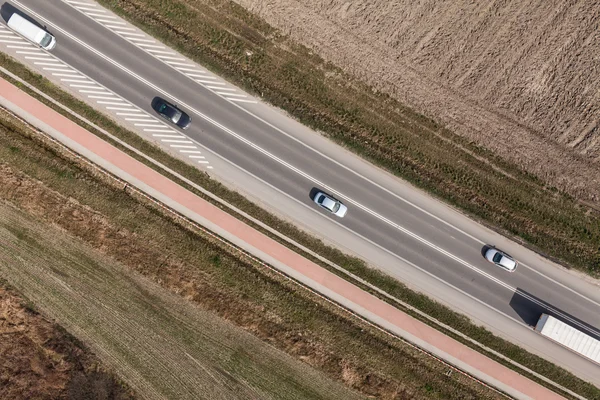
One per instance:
(518, 77)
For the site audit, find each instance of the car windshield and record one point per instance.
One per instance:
(172, 113)
(497, 258)
(46, 40)
(336, 207)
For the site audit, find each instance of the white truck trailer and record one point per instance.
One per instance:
(569, 337)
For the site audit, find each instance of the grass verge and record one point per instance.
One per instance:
(35, 178)
(353, 265)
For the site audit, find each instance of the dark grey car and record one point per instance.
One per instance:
(171, 112)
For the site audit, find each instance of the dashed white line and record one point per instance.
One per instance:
(155, 125)
(177, 146)
(196, 157)
(191, 151)
(20, 47)
(148, 118)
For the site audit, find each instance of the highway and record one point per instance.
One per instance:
(416, 239)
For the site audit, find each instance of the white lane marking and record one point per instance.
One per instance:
(209, 166)
(157, 130)
(75, 80)
(135, 114)
(199, 74)
(177, 146)
(134, 34)
(168, 136)
(176, 141)
(92, 8)
(114, 103)
(160, 51)
(185, 64)
(142, 40)
(53, 64)
(241, 100)
(20, 47)
(59, 70)
(45, 58)
(94, 92)
(234, 94)
(170, 58)
(189, 69)
(16, 40)
(190, 151)
(111, 22)
(29, 52)
(196, 157)
(86, 86)
(148, 118)
(103, 97)
(152, 46)
(119, 27)
(221, 89)
(202, 162)
(80, 2)
(153, 125)
(208, 119)
(93, 14)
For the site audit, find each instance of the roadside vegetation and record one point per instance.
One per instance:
(40, 360)
(47, 198)
(353, 265)
(230, 41)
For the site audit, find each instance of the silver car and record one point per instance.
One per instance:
(330, 204)
(501, 259)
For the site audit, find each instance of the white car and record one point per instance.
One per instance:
(501, 259)
(330, 204)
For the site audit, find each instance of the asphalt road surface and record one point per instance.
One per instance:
(396, 228)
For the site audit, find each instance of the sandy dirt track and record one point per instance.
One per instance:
(518, 77)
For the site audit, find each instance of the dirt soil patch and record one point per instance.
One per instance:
(39, 360)
(519, 78)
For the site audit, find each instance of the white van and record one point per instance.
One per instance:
(31, 32)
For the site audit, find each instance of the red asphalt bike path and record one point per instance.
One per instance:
(337, 288)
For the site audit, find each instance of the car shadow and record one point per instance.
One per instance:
(7, 10)
(530, 308)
